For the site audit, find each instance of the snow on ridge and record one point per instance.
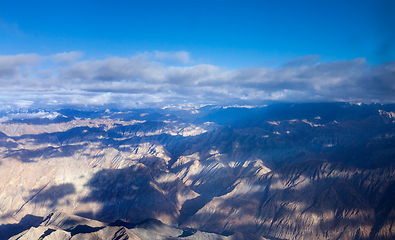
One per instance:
(387, 114)
(311, 124)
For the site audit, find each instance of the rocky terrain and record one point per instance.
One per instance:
(283, 171)
(58, 225)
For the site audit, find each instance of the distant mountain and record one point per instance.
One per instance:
(283, 171)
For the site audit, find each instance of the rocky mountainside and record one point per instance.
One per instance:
(58, 225)
(285, 171)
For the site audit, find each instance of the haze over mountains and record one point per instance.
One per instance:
(282, 171)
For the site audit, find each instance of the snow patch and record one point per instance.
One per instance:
(311, 124)
(274, 122)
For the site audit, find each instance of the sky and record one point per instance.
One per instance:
(139, 54)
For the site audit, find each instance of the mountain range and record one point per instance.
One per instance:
(282, 171)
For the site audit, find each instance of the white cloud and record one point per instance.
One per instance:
(66, 57)
(23, 103)
(114, 68)
(39, 114)
(141, 82)
(11, 65)
(181, 56)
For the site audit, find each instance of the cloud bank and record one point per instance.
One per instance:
(155, 80)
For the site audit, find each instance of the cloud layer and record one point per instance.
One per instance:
(157, 79)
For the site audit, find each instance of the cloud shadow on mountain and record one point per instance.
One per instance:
(28, 221)
(52, 194)
(28, 155)
(129, 194)
(335, 189)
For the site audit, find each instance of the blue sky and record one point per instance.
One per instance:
(227, 41)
